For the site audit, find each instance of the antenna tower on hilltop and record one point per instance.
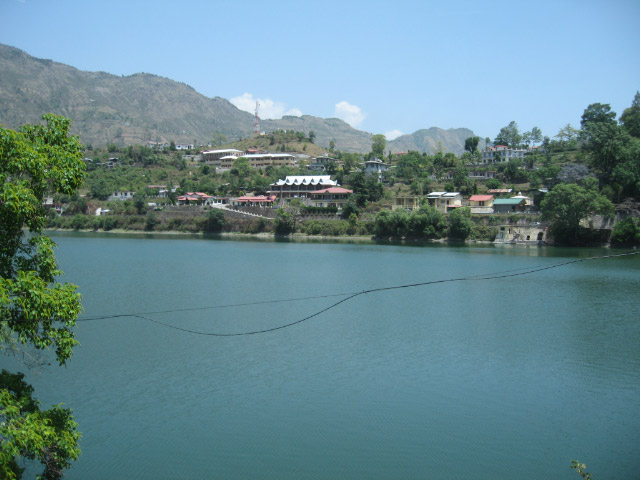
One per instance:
(256, 122)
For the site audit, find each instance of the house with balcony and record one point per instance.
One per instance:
(375, 167)
(330, 197)
(502, 154)
(406, 202)
(481, 203)
(444, 201)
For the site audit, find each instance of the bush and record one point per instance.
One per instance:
(284, 223)
(483, 232)
(626, 233)
(215, 221)
(459, 223)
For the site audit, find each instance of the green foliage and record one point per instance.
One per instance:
(626, 233)
(459, 223)
(494, 183)
(378, 144)
(150, 222)
(49, 436)
(471, 144)
(425, 223)
(483, 232)
(215, 221)
(284, 223)
(509, 135)
(630, 118)
(34, 161)
(566, 205)
(309, 210)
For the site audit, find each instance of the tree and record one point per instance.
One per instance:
(536, 135)
(284, 223)
(604, 138)
(312, 136)
(626, 233)
(471, 144)
(215, 221)
(35, 310)
(568, 204)
(459, 223)
(509, 135)
(630, 118)
(378, 144)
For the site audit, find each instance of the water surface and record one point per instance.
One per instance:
(481, 379)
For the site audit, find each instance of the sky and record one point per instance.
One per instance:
(383, 67)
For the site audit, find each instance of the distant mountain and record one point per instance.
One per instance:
(139, 108)
(431, 140)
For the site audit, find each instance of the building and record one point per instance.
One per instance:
(256, 160)
(121, 196)
(502, 154)
(444, 201)
(481, 203)
(294, 186)
(195, 198)
(375, 167)
(509, 205)
(184, 146)
(212, 157)
(330, 197)
(258, 201)
(407, 202)
(320, 163)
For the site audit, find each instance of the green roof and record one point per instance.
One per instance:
(508, 201)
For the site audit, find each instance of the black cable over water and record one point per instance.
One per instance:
(349, 296)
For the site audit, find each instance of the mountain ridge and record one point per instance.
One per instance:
(144, 107)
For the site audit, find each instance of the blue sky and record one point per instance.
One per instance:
(382, 66)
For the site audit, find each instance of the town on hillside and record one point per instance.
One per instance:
(519, 187)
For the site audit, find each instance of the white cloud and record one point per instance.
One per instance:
(393, 134)
(349, 113)
(268, 108)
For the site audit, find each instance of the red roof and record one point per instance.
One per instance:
(480, 198)
(260, 198)
(331, 190)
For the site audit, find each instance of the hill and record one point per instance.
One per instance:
(140, 108)
(431, 140)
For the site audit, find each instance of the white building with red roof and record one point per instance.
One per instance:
(195, 198)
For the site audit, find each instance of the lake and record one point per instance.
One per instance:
(497, 378)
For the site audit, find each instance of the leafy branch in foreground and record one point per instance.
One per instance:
(35, 311)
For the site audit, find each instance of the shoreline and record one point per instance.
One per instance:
(298, 237)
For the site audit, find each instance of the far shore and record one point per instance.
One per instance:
(294, 237)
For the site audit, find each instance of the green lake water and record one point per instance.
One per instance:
(504, 378)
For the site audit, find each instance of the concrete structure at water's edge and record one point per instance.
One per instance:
(444, 201)
(533, 234)
(330, 197)
(300, 186)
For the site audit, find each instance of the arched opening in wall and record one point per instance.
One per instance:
(540, 235)
(528, 237)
